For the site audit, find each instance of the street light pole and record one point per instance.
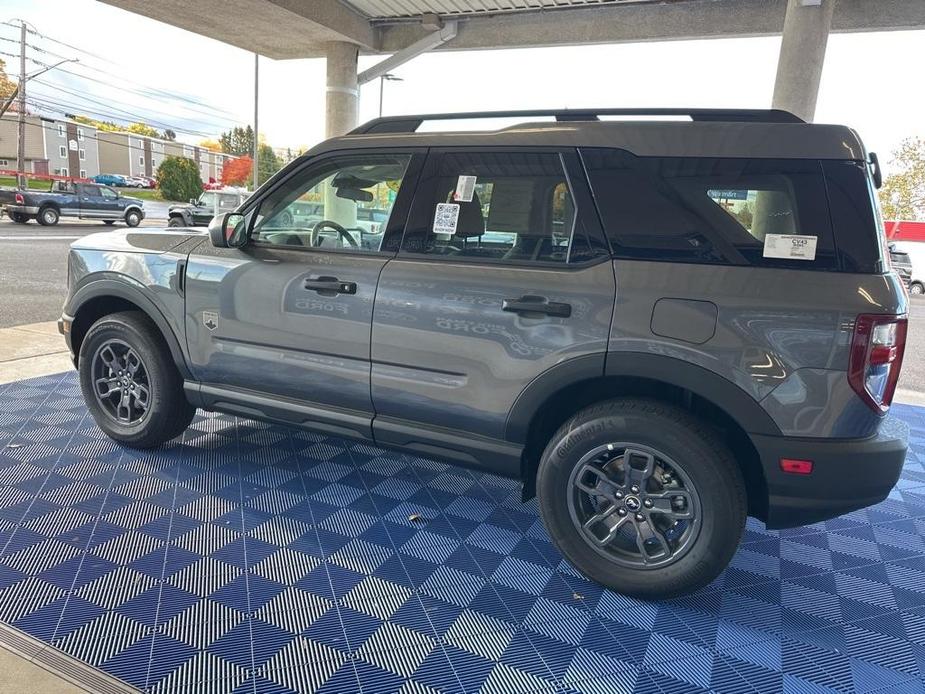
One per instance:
(382, 80)
(256, 139)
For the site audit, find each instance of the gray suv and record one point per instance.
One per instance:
(659, 327)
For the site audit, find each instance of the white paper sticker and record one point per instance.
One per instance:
(790, 246)
(446, 218)
(465, 188)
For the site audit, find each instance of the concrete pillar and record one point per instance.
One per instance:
(802, 53)
(343, 94)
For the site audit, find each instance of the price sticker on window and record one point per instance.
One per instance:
(465, 188)
(790, 246)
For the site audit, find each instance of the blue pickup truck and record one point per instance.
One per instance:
(81, 200)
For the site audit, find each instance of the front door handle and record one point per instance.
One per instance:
(536, 305)
(330, 286)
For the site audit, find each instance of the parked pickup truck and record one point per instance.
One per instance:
(81, 200)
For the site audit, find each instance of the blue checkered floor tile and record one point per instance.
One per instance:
(253, 558)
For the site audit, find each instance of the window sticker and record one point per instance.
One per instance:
(446, 218)
(465, 188)
(790, 246)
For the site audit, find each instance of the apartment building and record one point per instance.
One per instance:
(62, 147)
(53, 147)
(128, 154)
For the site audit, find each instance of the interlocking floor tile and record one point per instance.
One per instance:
(246, 557)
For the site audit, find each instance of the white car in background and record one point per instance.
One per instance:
(135, 182)
(916, 252)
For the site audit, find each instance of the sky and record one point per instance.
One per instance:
(200, 87)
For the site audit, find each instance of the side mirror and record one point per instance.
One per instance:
(193, 201)
(228, 230)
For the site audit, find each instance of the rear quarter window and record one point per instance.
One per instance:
(714, 210)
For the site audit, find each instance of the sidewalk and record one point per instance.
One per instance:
(27, 351)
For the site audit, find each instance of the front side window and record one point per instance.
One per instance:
(108, 193)
(763, 212)
(330, 206)
(498, 206)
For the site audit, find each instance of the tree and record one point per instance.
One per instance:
(178, 179)
(211, 145)
(903, 193)
(169, 135)
(268, 164)
(142, 129)
(238, 141)
(237, 172)
(7, 86)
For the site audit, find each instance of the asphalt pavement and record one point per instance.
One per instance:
(33, 282)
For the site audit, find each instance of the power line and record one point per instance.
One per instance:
(109, 104)
(153, 90)
(83, 109)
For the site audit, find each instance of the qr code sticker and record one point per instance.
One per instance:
(446, 218)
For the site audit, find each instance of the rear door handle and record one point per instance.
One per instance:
(530, 304)
(330, 286)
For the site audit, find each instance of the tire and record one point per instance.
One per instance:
(19, 217)
(48, 216)
(917, 288)
(110, 222)
(165, 413)
(706, 484)
(175, 222)
(133, 218)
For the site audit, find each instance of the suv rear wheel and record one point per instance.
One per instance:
(917, 288)
(130, 383)
(642, 497)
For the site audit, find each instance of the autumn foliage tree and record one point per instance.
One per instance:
(903, 193)
(237, 172)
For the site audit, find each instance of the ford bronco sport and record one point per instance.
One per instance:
(660, 327)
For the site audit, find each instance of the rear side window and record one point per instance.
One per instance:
(513, 207)
(761, 212)
(855, 216)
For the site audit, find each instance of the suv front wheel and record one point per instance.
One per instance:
(130, 383)
(642, 497)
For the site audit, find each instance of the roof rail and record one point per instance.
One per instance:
(410, 124)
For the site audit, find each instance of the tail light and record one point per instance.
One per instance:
(876, 358)
(20, 199)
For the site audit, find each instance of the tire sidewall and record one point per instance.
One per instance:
(721, 523)
(48, 216)
(916, 289)
(132, 218)
(154, 363)
(175, 222)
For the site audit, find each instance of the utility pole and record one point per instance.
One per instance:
(21, 144)
(256, 97)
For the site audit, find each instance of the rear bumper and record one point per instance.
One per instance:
(25, 209)
(847, 474)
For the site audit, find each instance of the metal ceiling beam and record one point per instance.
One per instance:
(430, 41)
(640, 22)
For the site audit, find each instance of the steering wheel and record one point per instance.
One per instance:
(344, 234)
